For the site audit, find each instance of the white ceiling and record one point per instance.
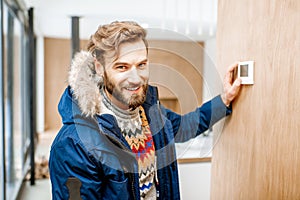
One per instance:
(194, 19)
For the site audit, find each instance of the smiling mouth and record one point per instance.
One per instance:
(132, 89)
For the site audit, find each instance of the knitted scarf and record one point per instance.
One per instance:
(136, 130)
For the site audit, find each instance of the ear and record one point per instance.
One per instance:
(98, 67)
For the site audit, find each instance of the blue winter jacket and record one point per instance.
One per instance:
(90, 159)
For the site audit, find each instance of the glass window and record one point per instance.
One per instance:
(15, 102)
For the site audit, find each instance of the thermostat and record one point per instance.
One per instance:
(245, 72)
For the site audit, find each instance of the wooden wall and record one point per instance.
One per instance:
(176, 67)
(57, 62)
(258, 153)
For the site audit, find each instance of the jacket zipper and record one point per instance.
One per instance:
(156, 173)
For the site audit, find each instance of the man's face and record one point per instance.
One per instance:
(126, 78)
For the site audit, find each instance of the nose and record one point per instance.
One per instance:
(134, 76)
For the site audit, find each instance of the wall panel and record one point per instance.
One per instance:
(257, 156)
(57, 63)
(177, 66)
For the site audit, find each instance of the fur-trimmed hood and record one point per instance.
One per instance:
(85, 83)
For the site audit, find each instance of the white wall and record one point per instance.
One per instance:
(40, 107)
(195, 181)
(212, 79)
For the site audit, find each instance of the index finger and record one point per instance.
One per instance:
(232, 67)
(229, 73)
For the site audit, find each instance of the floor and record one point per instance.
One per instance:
(42, 187)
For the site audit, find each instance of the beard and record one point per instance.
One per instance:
(134, 101)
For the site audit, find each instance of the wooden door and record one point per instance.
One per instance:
(257, 155)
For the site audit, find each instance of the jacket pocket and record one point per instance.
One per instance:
(116, 190)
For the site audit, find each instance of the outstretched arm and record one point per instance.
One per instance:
(194, 123)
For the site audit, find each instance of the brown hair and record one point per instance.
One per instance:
(109, 37)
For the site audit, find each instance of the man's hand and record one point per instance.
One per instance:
(231, 90)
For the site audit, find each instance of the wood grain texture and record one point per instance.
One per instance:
(193, 160)
(257, 156)
(57, 63)
(178, 66)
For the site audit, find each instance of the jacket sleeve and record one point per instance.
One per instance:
(73, 172)
(194, 123)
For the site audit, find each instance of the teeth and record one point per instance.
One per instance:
(132, 89)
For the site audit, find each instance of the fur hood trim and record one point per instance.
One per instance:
(85, 83)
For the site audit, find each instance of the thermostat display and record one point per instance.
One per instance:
(245, 72)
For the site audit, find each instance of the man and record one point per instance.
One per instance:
(117, 141)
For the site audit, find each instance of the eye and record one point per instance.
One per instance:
(142, 65)
(121, 67)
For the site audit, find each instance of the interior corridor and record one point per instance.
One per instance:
(42, 187)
